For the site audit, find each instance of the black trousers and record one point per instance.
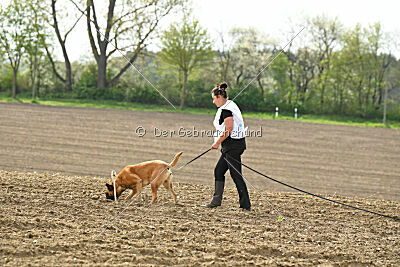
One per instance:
(221, 168)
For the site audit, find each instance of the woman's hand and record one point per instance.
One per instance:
(215, 145)
(229, 127)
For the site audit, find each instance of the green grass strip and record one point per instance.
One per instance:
(113, 104)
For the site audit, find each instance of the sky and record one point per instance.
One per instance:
(276, 19)
(282, 19)
(273, 16)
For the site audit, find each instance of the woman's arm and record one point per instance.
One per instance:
(228, 129)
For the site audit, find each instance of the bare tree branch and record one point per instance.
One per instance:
(96, 25)
(89, 29)
(73, 26)
(53, 65)
(132, 12)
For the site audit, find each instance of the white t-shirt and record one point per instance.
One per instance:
(238, 131)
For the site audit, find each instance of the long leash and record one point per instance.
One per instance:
(208, 150)
(205, 152)
(315, 195)
(255, 189)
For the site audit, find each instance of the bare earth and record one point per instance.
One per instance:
(54, 162)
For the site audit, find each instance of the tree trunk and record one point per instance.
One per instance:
(34, 70)
(323, 87)
(366, 106)
(184, 89)
(322, 97)
(39, 78)
(261, 87)
(341, 100)
(101, 72)
(359, 89)
(14, 89)
(68, 74)
(68, 78)
(33, 86)
(238, 78)
(100, 53)
(384, 106)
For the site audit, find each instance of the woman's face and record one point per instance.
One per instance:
(218, 100)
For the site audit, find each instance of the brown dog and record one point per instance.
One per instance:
(137, 176)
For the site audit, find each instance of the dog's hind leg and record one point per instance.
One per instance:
(168, 185)
(154, 187)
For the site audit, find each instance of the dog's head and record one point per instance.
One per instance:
(110, 191)
(110, 187)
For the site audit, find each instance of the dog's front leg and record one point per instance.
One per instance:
(133, 192)
(137, 189)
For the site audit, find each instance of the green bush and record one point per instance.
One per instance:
(251, 99)
(116, 93)
(143, 95)
(86, 86)
(6, 79)
(198, 95)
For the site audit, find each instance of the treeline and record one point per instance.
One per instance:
(328, 69)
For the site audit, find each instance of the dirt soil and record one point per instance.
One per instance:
(54, 162)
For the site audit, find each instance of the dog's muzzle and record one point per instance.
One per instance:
(109, 197)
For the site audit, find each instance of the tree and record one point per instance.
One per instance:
(339, 77)
(302, 73)
(35, 47)
(392, 87)
(325, 36)
(186, 47)
(250, 53)
(14, 35)
(379, 64)
(367, 67)
(62, 39)
(224, 58)
(279, 71)
(128, 28)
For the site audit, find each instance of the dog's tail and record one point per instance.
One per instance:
(175, 160)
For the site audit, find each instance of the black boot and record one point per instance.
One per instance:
(244, 199)
(217, 198)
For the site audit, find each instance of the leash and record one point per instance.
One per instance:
(205, 152)
(255, 189)
(183, 165)
(315, 195)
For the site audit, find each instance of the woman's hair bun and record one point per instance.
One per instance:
(223, 86)
(220, 90)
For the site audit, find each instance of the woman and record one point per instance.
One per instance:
(230, 134)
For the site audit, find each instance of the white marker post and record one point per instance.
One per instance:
(295, 113)
(114, 178)
(276, 112)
